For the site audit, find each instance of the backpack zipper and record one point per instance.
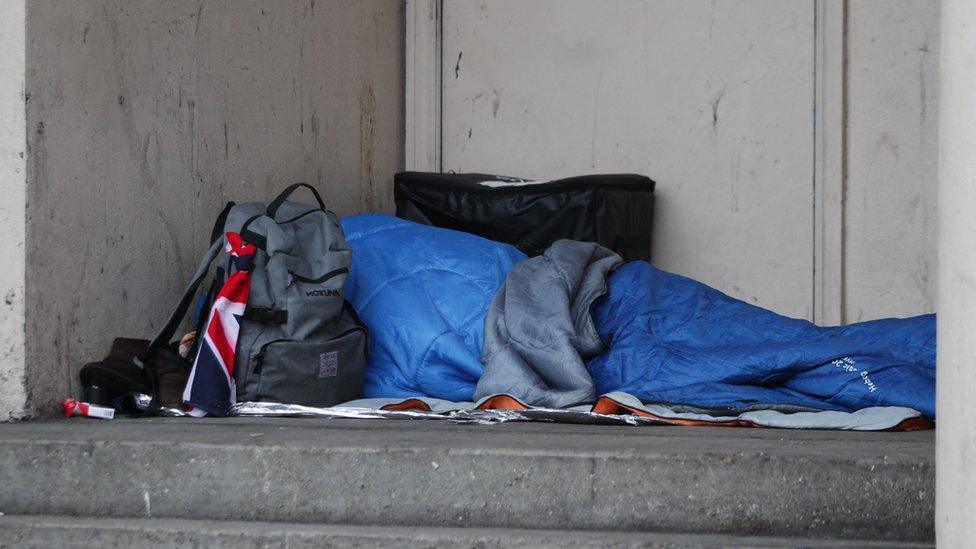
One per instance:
(321, 279)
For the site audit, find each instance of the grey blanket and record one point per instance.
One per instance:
(539, 330)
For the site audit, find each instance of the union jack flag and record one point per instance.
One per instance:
(210, 388)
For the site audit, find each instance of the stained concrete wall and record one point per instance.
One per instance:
(12, 220)
(715, 100)
(144, 117)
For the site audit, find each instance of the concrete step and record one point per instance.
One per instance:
(719, 481)
(48, 531)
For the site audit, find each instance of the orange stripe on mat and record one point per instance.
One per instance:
(409, 404)
(914, 424)
(607, 405)
(502, 402)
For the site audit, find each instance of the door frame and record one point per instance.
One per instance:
(422, 85)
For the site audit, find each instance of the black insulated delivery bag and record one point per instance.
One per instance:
(614, 210)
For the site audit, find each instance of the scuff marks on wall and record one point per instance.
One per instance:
(199, 17)
(367, 143)
(715, 104)
(314, 127)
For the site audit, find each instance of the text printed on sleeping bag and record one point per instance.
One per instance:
(848, 364)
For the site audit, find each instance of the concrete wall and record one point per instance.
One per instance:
(144, 117)
(12, 221)
(892, 158)
(955, 385)
(715, 100)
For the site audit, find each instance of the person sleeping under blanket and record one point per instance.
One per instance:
(577, 323)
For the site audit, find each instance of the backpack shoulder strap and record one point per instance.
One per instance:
(166, 333)
(169, 329)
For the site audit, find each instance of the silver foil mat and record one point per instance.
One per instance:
(142, 402)
(483, 417)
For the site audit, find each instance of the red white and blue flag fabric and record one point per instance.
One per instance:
(210, 388)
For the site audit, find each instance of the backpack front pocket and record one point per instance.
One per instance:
(314, 301)
(313, 373)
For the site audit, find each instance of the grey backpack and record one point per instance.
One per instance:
(295, 344)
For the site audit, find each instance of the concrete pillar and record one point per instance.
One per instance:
(13, 189)
(956, 398)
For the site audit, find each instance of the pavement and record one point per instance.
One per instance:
(435, 476)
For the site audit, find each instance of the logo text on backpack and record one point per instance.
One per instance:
(328, 364)
(322, 293)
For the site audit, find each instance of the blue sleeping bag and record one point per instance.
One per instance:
(424, 293)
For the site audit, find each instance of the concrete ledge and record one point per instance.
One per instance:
(403, 473)
(46, 531)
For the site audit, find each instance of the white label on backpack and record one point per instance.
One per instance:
(328, 364)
